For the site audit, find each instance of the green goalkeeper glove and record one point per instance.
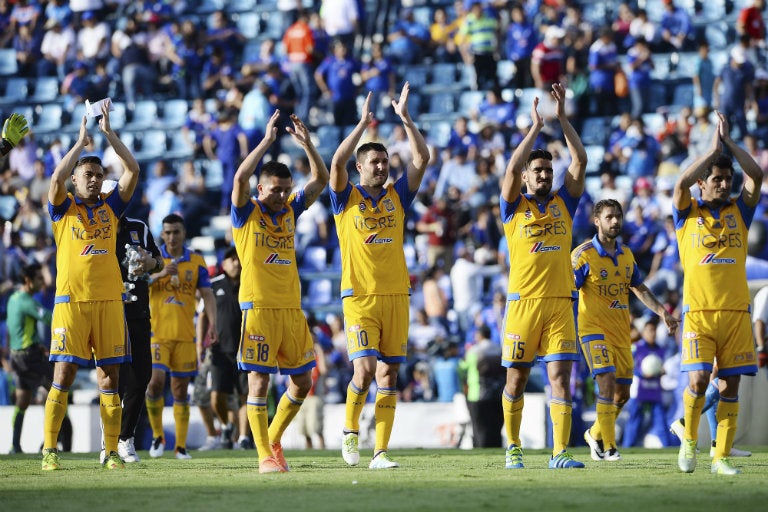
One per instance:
(14, 129)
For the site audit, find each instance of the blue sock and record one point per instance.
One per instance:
(712, 396)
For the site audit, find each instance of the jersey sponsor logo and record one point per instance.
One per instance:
(528, 214)
(361, 206)
(274, 259)
(90, 249)
(256, 337)
(690, 335)
(374, 239)
(173, 300)
(540, 247)
(603, 274)
(618, 305)
(710, 259)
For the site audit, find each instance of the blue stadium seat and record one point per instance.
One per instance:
(153, 146)
(273, 22)
(595, 131)
(595, 156)
(248, 23)
(505, 72)
(179, 148)
(415, 75)
(442, 104)
(658, 96)
(241, 5)
(469, 101)
(443, 73)
(208, 6)
(48, 118)
(683, 95)
(440, 133)
(213, 172)
(144, 116)
(174, 114)
(8, 64)
(75, 118)
(46, 89)
(16, 91)
(117, 117)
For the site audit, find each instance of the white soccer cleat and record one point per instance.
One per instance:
(349, 449)
(724, 467)
(596, 450)
(612, 455)
(211, 443)
(383, 461)
(127, 450)
(181, 454)
(157, 447)
(686, 457)
(678, 429)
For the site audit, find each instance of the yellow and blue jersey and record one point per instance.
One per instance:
(713, 253)
(173, 306)
(371, 237)
(265, 246)
(604, 282)
(539, 238)
(85, 237)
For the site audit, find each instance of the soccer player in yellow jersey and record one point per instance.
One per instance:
(88, 318)
(539, 319)
(275, 333)
(605, 272)
(375, 286)
(173, 296)
(712, 238)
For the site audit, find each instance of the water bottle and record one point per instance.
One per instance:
(128, 296)
(133, 259)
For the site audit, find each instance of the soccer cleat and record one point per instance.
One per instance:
(157, 447)
(51, 459)
(723, 467)
(226, 439)
(211, 443)
(564, 460)
(596, 449)
(113, 461)
(127, 451)
(735, 452)
(383, 461)
(245, 443)
(102, 457)
(349, 450)
(678, 429)
(686, 457)
(612, 455)
(181, 453)
(277, 453)
(514, 457)
(270, 465)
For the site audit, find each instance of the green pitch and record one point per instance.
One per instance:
(429, 480)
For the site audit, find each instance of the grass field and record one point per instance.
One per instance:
(429, 480)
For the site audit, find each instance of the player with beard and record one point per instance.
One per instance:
(539, 319)
(605, 271)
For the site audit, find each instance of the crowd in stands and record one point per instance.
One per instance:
(194, 83)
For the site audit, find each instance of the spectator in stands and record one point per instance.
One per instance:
(378, 75)
(228, 144)
(27, 48)
(636, 151)
(521, 38)
(436, 292)
(700, 136)
(603, 65)
(665, 273)
(458, 171)
(25, 13)
(621, 25)
(548, 59)
(60, 10)
(57, 49)
(461, 137)
(641, 65)
(675, 28)
(76, 88)
(92, 38)
(480, 45)
(750, 22)
(130, 61)
(439, 223)
(423, 334)
(484, 183)
(341, 20)
(222, 35)
(443, 34)
(255, 66)
(299, 48)
(467, 286)
(494, 109)
(335, 78)
(703, 77)
(574, 22)
(408, 40)
(311, 228)
(641, 28)
(217, 73)
(198, 123)
(733, 91)
(186, 57)
(609, 190)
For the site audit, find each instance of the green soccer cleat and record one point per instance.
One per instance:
(723, 467)
(113, 461)
(51, 459)
(514, 457)
(686, 457)
(564, 460)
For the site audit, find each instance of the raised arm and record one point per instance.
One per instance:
(681, 197)
(339, 175)
(419, 148)
(58, 189)
(318, 172)
(648, 298)
(513, 175)
(576, 175)
(128, 180)
(241, 188)
(753, 173)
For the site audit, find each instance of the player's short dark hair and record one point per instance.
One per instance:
(31, 270)
(173, 218)
(276, 169)
(536, 154)
(368, 147)
(91, 159)
(231, 252)
(721, 162)
(606, 203)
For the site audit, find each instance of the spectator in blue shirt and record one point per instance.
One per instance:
(640, 62)
(676, 28)
(228, 144)
(521, 39)
(334, 78)
(603, 64)
(379, 77)
(408, 39)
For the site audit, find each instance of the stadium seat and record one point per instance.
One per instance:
(683, 95)
(174, 114)
(144, 116)
(179, 147)
(214, 174)
(117, 117)
(442, 106)
(717, 35)
(658, 97)
(595, 156)
(315, 258)
(46, 89)
(469, 101)
(8, 64)
(505, 72)
(415, 75)
(48, 118)
(248, 23)
(75, 118)
(209, 6)
(443, 74)
(241, 6)
(440, 134)
(272, 23)
(594, 131)
(153, 146)
(16, 91)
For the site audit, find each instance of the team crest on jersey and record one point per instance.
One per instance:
(603, 274)
(134, 237)
(289, 224)
(730, 221)
(555, 211)
(628, 271)
(188, 275)
(389, 205)
(361, 206)
(103, 216)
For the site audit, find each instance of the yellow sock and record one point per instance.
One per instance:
(287, 409)
(181, 417)
(727, 416)
(256, 408)
(513, 416)
(155, 408)
(693, 404)
(111, 415)
(386, 401)
(606, 422)
(55, 410)
(560, 414)
(354, 406)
